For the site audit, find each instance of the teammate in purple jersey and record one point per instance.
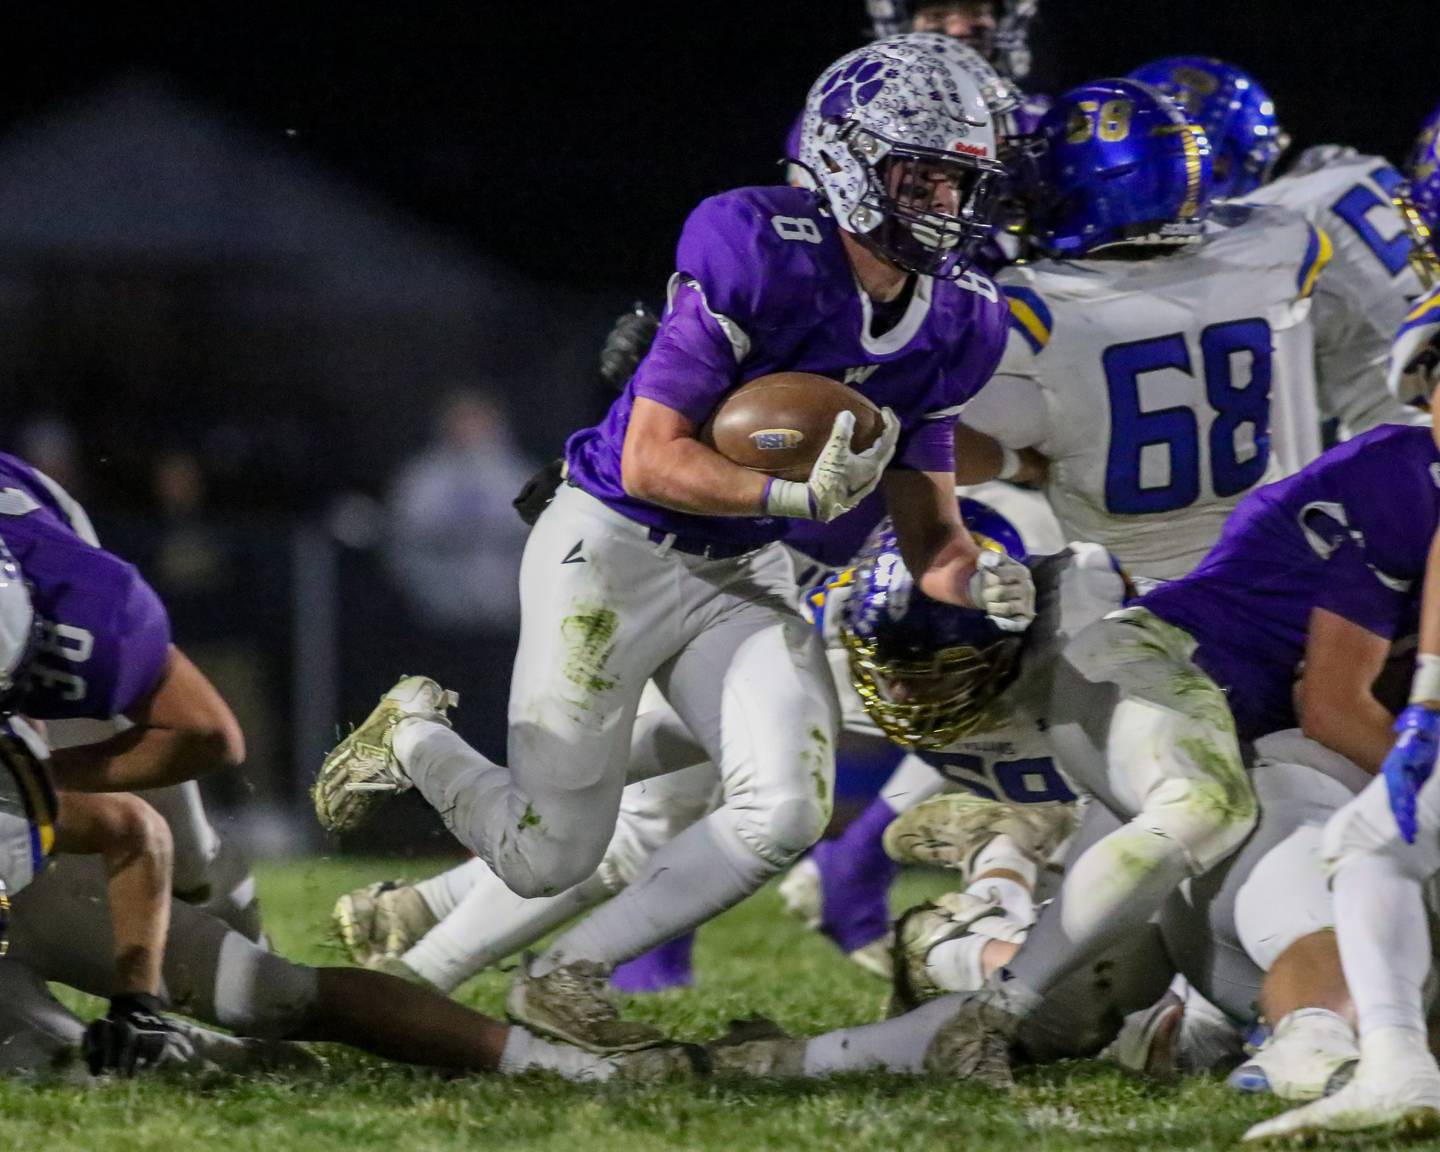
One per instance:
(101, 649)
(652, 560)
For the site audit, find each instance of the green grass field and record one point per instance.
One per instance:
(752, 960)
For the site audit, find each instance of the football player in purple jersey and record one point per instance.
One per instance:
(658, 557)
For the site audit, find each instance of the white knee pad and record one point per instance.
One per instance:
(1209, 819)
(781, 832)
(1285, 897)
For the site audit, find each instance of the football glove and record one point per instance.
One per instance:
(134, 1036)
(1004, 590)
(840, 478)
(1410, 763)
(539, 490)
(626, 344)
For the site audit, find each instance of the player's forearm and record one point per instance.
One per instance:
(1430, 616)
(979, 458)
(685, 475)
(1359, 731)
(139, 758)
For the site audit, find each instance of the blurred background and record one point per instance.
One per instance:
(294, 297)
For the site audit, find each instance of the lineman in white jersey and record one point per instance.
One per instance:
(1377, 268)
(1149, 349)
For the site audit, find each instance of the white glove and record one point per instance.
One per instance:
(841, 477)
(1003, 590)
(1415, 355)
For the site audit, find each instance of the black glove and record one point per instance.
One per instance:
(626, 345)
(132, 1037)
(539, 490)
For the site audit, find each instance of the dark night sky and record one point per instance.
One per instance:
(570, 139)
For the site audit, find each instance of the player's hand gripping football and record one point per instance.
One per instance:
(1410, 763)
(841, 477)
(1003, 589)
(134, 1036)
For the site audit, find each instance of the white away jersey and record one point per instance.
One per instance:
(1362, 299)
(1012, 761)
(1153, 386)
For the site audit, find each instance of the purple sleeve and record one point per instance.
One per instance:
(692, 363)
(1351, 589)
(928, 448)
(142, 633)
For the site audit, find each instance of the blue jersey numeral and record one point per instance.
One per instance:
(1033, 781)
(1225, 350)
(1355, 207)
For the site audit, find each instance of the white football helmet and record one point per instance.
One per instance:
(17, 624)
(887, 124)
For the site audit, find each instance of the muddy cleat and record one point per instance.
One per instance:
(664, 1064)
(362, 769)
(1311, 1053)
(975, 1043)
(1405, 1105)
(947, 830)
(383, 919)
(757, 1048)
(572, 1003)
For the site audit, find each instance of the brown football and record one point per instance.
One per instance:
(778, 424)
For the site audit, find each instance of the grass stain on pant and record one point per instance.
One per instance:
(589, 634)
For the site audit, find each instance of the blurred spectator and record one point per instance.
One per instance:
(456, 542)
(51, 444)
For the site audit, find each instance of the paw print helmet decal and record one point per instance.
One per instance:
(901, 145)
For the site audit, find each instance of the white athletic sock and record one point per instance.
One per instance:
(1384, 941)
(957, 965)
(897, 1045)
(693, 878)
(525, 1052)
(196, 841)
(491, 923)
(1011, 895)
(442, 894)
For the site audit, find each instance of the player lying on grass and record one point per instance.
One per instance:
(657, 559)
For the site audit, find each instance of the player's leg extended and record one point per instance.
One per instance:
(1385, 947)
(753, 688)
(595, 623)
(1151, 737)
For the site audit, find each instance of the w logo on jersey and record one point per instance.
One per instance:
(854, 377)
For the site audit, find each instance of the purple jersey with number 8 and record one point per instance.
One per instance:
(104, 635)
(763, 285)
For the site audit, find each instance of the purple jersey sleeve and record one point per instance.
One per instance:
(692, 363)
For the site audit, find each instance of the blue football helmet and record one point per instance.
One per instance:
(1120, 164)
(928, 673)
(1423, 193)
(1236, 114)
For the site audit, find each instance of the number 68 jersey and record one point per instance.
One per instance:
(1162, 388)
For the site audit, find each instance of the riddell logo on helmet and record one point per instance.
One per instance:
(969, 149)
